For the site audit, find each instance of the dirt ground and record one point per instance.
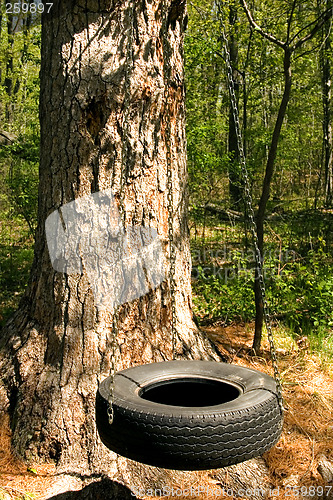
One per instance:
(292, 463)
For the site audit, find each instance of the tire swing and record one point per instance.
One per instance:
(188, 414)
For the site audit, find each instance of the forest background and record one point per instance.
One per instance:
(298, 240)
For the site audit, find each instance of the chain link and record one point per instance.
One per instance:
(113, 363)
(167, 54)
(125, 136)
(251, 215)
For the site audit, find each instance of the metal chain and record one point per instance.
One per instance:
(167, 53)
(113, 363)
(251, 216)
(125, 135)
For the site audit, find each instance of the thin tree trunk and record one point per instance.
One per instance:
(8, 82)
(235, 189)
(289, 47)
(266, 191)
(26, 28)
(56, 348)
(326, 72)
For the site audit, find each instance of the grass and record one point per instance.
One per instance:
(321, 344)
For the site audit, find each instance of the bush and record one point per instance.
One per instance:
(301, 294)
(21, 160)
(222, 298)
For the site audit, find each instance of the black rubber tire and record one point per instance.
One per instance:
(189, 437)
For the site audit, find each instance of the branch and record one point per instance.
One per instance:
(306, 52)
(257, 28)
(248, 50)
(319, 22)
(290, 20)
(240, 72)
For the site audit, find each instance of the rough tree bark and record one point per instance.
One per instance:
(56, 347)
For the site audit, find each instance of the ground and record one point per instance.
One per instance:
(307, 382)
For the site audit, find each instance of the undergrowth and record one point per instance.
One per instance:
(299, 286)
(16, 253)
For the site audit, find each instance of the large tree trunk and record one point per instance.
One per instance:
(56, 348)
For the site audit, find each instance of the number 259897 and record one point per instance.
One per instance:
(17, 8)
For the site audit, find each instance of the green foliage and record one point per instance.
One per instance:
(206, 124)
(15, 263)
(299, 162)
(22, 179)
(307, 288)
(299, 289)
(19, 65)
(32, 470)
(20, 62)
(219, 297)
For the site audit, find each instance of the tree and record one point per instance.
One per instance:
(326, 77)
(295, 38)
(234, 178)
(19, 64)
(8, 82)
(102, 106)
